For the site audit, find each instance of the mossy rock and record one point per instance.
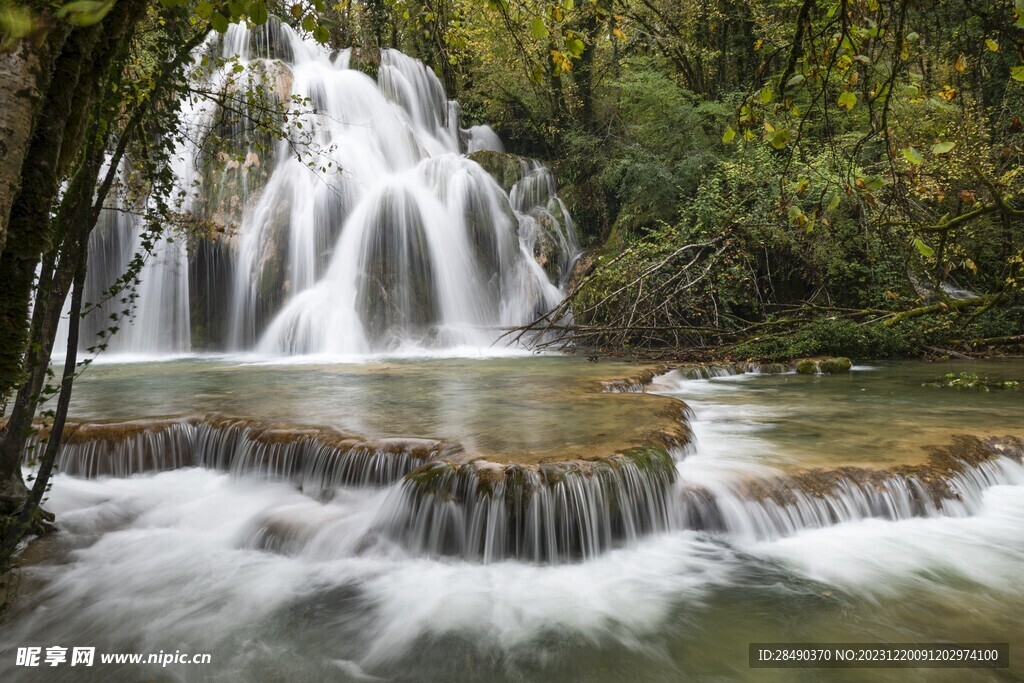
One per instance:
(835, 366)
(652, 460)
(506, 169)
(365, 60)
(807, 367)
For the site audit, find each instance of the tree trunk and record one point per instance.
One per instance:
(25, 76)
(78, 74)
(88, 61)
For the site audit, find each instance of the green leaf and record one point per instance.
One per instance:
(943, 148)
(321, 34)
(538, 28)
(729, 135)
(1017, 72)
(575, 46)
(309, 23)
(833, 203)
(16, 22)
(847, 100)
(874, 183)
(219, 22)
(766, 94)
(992, 45)
(913, 156)
(537, 73)
(925, 250)
(85, 12)
(795, 80)
(204, 9)
(780, 138)
(258, 13)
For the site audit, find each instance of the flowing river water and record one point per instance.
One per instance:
(279, 580)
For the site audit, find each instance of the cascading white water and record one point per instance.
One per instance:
(318, 460)
(151, 316)
(369, 232)
(159, 319)
(403, 241)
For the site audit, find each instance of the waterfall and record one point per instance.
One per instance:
(550, 514)
(369, 230)
(782, 506)
(569, 511)
(158, 320)
(318, 460)
(443, 504)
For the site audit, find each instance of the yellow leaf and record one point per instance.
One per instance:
(960, 64)
(992, 45)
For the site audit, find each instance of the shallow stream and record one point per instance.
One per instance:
(174, 561)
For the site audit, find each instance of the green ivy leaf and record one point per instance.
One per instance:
(913, 156)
